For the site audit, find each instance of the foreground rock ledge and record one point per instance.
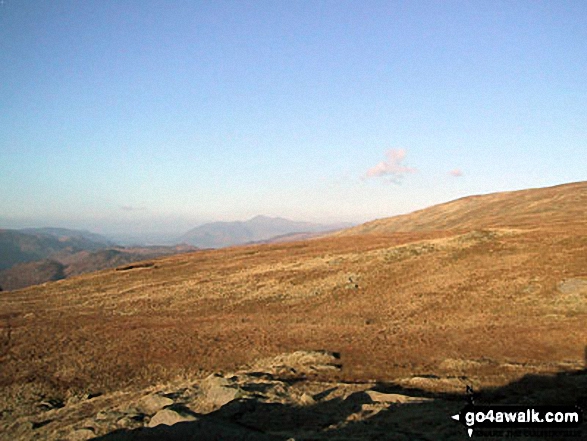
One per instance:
(278, 398)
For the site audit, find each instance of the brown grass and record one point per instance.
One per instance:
(562, 204)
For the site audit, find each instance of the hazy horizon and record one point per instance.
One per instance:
(163, 233)
(150, 118)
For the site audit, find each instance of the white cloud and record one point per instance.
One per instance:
(391, 168)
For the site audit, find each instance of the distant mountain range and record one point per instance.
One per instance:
(37, 255)
(30, 244)
(257, 229)
(66, 234)
(63, 265)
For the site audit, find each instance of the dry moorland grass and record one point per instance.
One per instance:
(560, 205)
(490, 304)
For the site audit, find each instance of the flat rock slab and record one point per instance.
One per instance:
(170, 417)
(219, 391)
(380, 397)
(153, 403)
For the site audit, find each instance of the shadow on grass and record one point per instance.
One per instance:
(336, 419)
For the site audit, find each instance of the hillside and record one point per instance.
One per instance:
(493, 295)
(31, 273)
(67, 263)
(92, 240)
(257, 229)
(20, 246)
(525, 208)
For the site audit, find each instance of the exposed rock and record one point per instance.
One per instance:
(74, 399)
(300, 363)
(131, 421)
(307, 400)
(573, 286)
(215, 380)
(219, 390)
(379, 397)
(105, 415)
(82, 435)
(51, 403)
(153, 403)
(254, 404)
(171, 416)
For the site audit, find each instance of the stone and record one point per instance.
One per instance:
(380, 397)
(573, 286)
(215, 380)
(307, 400)
(107, 415)
(75, 399)
(170, 417)
(300, 364)
(130, 421)
(51, 404)
(219, 391)
(151, 404)
(81, 435)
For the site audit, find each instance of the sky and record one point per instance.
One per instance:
(156, 116)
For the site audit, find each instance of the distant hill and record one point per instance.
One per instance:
(64, 264)
(36, 255)
(31, 273)
(20, 246)
(86, 262)
(560, 204)
(65, 234)
(257, 229)
(290, 237)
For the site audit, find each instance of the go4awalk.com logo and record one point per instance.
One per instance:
(500, 421)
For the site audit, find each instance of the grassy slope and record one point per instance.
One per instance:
(486, 303)
(525, 208)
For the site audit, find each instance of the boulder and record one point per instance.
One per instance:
(219, 391)
(82, 435)
(171, 416)
(151, 404)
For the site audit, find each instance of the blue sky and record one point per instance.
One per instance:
(123, 116)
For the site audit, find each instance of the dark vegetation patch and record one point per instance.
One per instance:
(136, 266)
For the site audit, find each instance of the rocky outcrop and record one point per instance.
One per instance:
(279, 398)
(153, 403)
(170, 416)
